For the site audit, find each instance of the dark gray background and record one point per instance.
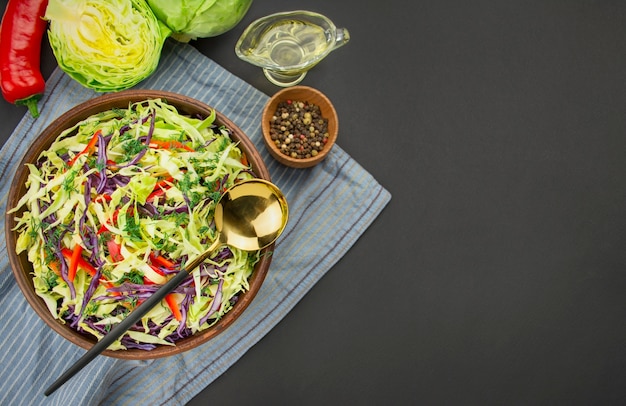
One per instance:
(496, 275)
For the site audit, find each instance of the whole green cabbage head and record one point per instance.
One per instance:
(105, 45)
(191, 19)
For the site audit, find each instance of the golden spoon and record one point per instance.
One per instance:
(250, 216)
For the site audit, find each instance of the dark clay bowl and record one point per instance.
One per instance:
(22, 268)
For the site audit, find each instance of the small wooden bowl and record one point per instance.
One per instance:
(304, 94)
(22, 268)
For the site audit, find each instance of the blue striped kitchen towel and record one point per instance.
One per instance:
(337, 195)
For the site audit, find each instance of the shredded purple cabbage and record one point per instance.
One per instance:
(103, 184)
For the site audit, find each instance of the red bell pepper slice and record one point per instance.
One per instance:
(55, 267)
(80, 261)
(170, 145)
(160, 188)
(91, 146)
(76, 254)
(161, 261)
(170, 299)
(115, 250)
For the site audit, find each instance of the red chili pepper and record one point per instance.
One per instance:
(21, 35)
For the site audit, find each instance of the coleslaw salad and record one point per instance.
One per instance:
(117, 205)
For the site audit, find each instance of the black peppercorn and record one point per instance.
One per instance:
(298, 129)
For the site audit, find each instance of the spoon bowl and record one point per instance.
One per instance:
(250, 216)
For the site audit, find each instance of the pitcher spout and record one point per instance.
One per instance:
(342, 37)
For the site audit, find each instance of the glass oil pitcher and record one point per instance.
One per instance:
(286, 45)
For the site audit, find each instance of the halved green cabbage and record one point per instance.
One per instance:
(105, 45)
(191, 19)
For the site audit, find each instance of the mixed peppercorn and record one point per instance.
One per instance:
(298, 129)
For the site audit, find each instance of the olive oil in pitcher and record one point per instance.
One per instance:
(290, 43)
(287, 45)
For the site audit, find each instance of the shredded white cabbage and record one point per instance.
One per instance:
(135, 189)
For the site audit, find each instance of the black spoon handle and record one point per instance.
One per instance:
(132, 318)
(119, 330)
